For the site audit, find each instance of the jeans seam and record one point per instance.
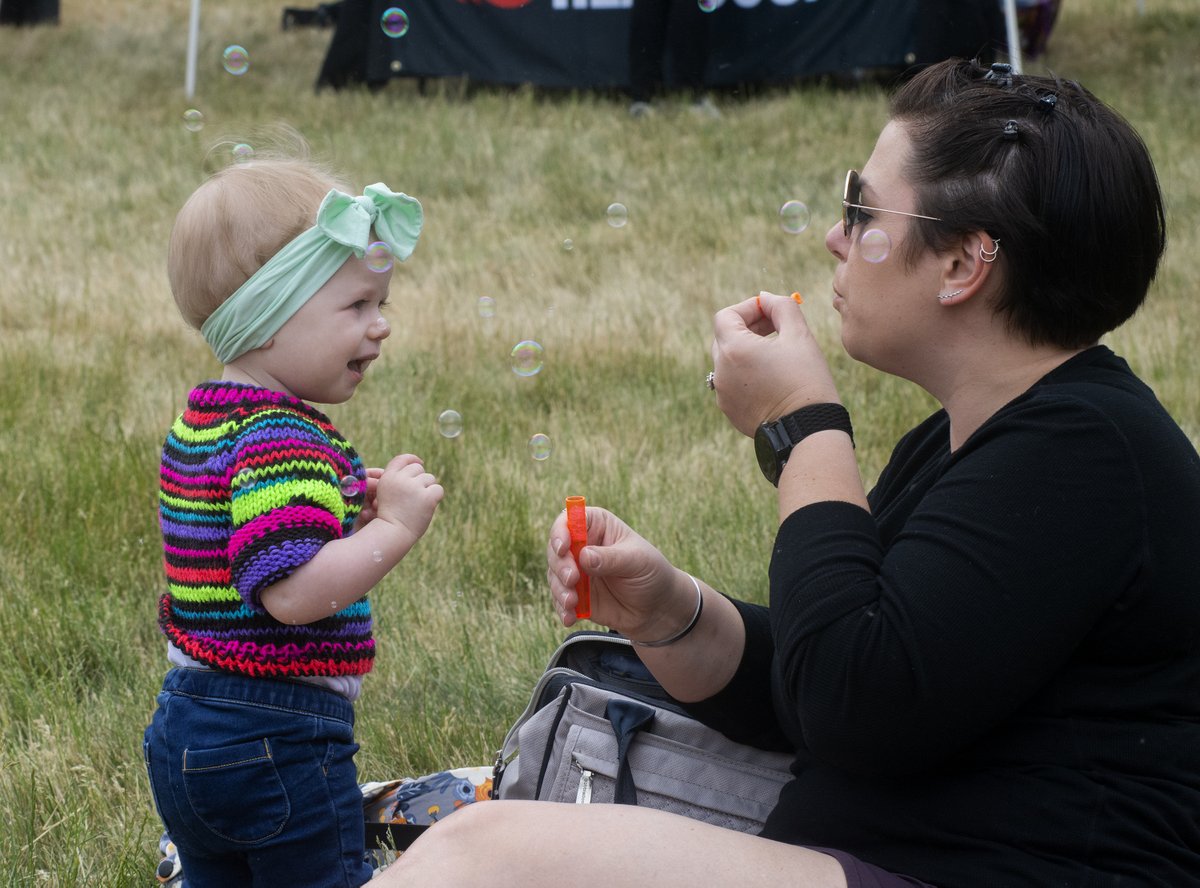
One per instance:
(234, 700)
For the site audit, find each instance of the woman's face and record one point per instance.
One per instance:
(887, 307)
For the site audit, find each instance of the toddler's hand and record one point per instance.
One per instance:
(369, 510)
(406, 495)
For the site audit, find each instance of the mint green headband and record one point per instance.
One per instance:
(291, 277)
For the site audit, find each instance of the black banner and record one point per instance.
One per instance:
(584, 43)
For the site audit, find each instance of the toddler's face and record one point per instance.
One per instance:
(322, 353)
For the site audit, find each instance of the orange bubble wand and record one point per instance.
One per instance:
(577, 528)
(796, 298)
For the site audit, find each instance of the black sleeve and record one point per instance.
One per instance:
(894, 657)
(742, 710)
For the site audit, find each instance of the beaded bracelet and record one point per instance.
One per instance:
(686, 629)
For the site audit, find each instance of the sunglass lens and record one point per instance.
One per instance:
(850, 197)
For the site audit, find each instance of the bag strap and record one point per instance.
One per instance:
(627, 717)
(393, 835)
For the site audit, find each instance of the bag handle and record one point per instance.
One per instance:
(627, 717)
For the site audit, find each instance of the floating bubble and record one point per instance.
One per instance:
(244, 478)
(710, 5)
(379, 257)
(875, 245)
(394, 22)
(397, 65)
(333, 605)
(377, 556)
(487, 307)
(568, 245)
(794, 216)
(242, 152)
(540, 447)
(236, 60)
(618, 215)
(351, 486)
(450, 424)
(193, 120)
(527, 357)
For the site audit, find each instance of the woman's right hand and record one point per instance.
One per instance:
(766, 362)
(633, 586)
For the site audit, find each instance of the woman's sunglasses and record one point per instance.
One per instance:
(852, 210)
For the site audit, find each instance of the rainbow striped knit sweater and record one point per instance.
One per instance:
(250, 490)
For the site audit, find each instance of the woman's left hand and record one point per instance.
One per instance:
(761, 377)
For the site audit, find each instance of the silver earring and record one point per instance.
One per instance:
(989, 256)
(947, 296)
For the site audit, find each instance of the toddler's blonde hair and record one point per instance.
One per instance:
(234, 222)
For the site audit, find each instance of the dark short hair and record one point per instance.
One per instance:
(1062, 180)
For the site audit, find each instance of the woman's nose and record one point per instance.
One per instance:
(836, 241)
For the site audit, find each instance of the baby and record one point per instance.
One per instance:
(273, 530)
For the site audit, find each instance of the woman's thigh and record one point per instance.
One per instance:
(512, 844)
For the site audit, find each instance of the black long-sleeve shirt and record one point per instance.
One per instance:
(993, 679)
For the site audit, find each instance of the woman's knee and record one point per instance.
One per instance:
(471, 823)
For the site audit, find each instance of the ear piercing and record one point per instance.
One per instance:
(947, 296)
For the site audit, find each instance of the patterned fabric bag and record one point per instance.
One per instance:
(397, 812)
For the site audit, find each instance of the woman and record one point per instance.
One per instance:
(988, 667)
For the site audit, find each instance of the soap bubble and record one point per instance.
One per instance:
(568, 245)
(236, 60)
(379, 257)
(244, 478)
(242, 152)
(394, 22)
(875, 245)
(351, 486)
(397, 66)
(450, 423)
(193, 120)
(377, 556)
(527, 357)
(794, 216)
(709, 5)
(618, 215)
(487, 307)
(540, 447)
(333, 605)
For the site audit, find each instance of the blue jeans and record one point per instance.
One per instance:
(254, 780)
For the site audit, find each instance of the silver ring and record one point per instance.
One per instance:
(711, 381)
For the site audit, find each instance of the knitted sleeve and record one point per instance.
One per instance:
(286, 500)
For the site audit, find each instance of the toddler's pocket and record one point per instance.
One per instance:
(236, 792)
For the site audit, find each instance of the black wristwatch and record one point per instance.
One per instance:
(773, 442)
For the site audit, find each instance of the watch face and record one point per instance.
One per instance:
(768, 457)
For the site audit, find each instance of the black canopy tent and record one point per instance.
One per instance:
(583, 44)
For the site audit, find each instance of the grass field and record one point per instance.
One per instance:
(94, 362)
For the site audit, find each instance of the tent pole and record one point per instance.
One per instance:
(189, 82)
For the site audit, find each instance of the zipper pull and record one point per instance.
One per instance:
(583, 795)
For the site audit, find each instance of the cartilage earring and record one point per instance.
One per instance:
(947, 296)
(989, 256)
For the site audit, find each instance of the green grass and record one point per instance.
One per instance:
(94, 362)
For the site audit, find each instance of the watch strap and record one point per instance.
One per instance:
(816, 418)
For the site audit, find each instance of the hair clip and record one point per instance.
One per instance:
(1010, 131)
(1002, 73)
(1047, 102)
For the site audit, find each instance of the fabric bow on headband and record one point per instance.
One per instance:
(348, 220)
(256, 311)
